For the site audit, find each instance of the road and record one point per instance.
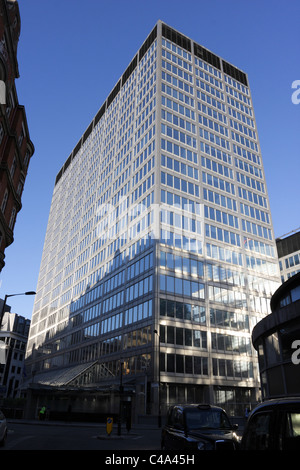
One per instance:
(136, 449)
(60, 436)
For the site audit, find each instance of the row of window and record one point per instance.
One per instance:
(259, 247)
(242, 152)
(143, 171)
(219, 199)
(227, 297)
(222, 235)
(262, 266)
(176, 71)
(179, 286)
(239, 105)
(143, 264)
(224, 254)
(290, 262)
(231, 344)
(180, 184)
(217, 167)
(177, 60)
(180, 202)
(181, 264)
(210, 100)
(184, 364)
(183, 222)
(178, 95)
(243, 129)
(241, 117)
(138, 312)
(181, 85)
(254, 213)
(218, 183)
(213, 125)
(232, 368)
(180, 167)
(186, 337)
(178, 121)
(220, 342)
(218, 273)
(178, 108)
(215, 139)
(227, 319)
(215, 152)
(145, 124)
(143, 287)
(142, 188)
(176, 49)
(209, 78)
(180, 241)
(209, 89)
(182, 311)
(212, 113)
(248, 195)
(143, 155)
(238, 95)
(251, 182)
(221, 217)
(208, 68)
(180, 136)
(256, 229)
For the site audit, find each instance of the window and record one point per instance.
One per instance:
(13, 167)
(291, 432)
(12, 219)
(258, 433)
(4, 201)
(170, 362)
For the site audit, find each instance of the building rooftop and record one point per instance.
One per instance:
(288, 243)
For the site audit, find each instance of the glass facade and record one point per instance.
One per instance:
(160, 232)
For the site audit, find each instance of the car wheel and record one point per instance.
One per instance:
(2, 443)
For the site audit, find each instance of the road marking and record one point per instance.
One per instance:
(11, 445)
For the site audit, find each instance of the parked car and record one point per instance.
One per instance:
(273, 425)
(198, 427)
(3, 429)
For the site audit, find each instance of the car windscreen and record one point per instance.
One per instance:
(206, 419)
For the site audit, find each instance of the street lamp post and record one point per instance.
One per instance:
(121, 400)
(4, 303)
(159, 398)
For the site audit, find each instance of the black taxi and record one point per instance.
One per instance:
(198, 427)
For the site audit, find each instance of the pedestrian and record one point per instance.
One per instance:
(128, 423)
(42, 413)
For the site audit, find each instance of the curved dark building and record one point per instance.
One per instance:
(277, 340)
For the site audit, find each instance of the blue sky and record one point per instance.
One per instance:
(72, 52)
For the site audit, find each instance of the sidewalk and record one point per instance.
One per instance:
(135, 429)
(82, 423)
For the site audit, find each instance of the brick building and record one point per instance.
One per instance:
(16, 148)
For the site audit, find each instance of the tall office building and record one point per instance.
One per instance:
(159, 242)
